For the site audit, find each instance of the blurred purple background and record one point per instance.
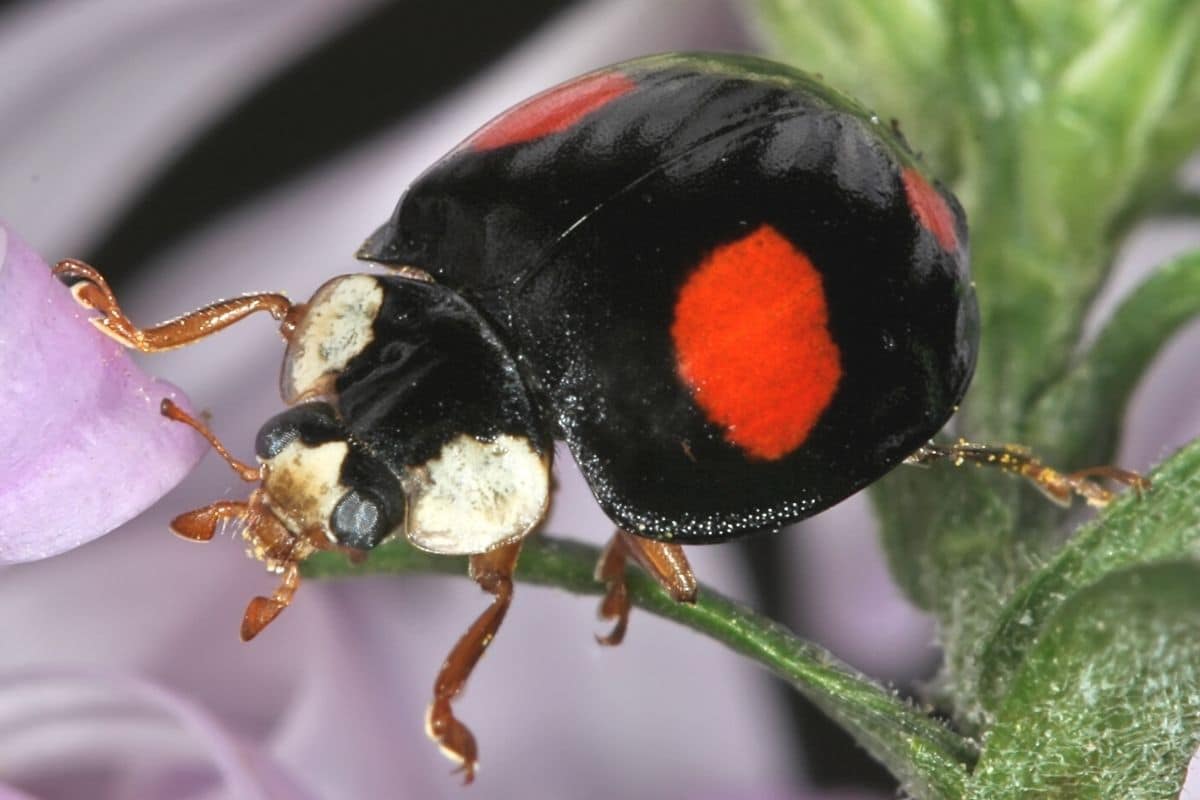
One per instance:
(121, 674)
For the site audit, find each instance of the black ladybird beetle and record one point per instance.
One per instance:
(733, 292)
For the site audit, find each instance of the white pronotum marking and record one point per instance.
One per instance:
(336, 327)
(477, 495)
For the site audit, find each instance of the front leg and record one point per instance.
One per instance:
(493, 572)
(92, 291)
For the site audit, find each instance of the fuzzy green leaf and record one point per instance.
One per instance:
(929, 759)
(1078, 419)
(1164, 525)
(890, 54)
(936, 521)
(1108, 703)
(953, 545)
(1078, 118)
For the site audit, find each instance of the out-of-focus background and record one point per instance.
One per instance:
(195, 150)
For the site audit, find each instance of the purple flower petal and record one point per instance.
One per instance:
(63, 727)
(84, 446)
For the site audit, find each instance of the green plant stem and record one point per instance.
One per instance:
(929, 759)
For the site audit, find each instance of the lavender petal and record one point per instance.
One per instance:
(83, 445)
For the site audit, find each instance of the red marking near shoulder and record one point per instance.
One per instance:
(552, 111)
(930, 209)
(752, 342)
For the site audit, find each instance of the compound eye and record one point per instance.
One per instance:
(310, 423)
(359, 520)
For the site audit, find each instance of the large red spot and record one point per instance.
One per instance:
(930, 209)
(752, 342)
(552, 111)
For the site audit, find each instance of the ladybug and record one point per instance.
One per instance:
(733, 292)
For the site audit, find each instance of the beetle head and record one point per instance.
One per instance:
(317, 490)
(323, 487)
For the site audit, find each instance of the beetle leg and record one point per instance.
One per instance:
(665, 562)
(493, 572)
(1057, 486)
(610, 570)
(92, 291)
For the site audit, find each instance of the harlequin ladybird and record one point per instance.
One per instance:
(733, 292)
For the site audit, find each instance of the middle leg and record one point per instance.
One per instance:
(666, 563)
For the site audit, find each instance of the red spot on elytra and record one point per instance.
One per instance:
(930, 209)
(552, 111)
(753, 344)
